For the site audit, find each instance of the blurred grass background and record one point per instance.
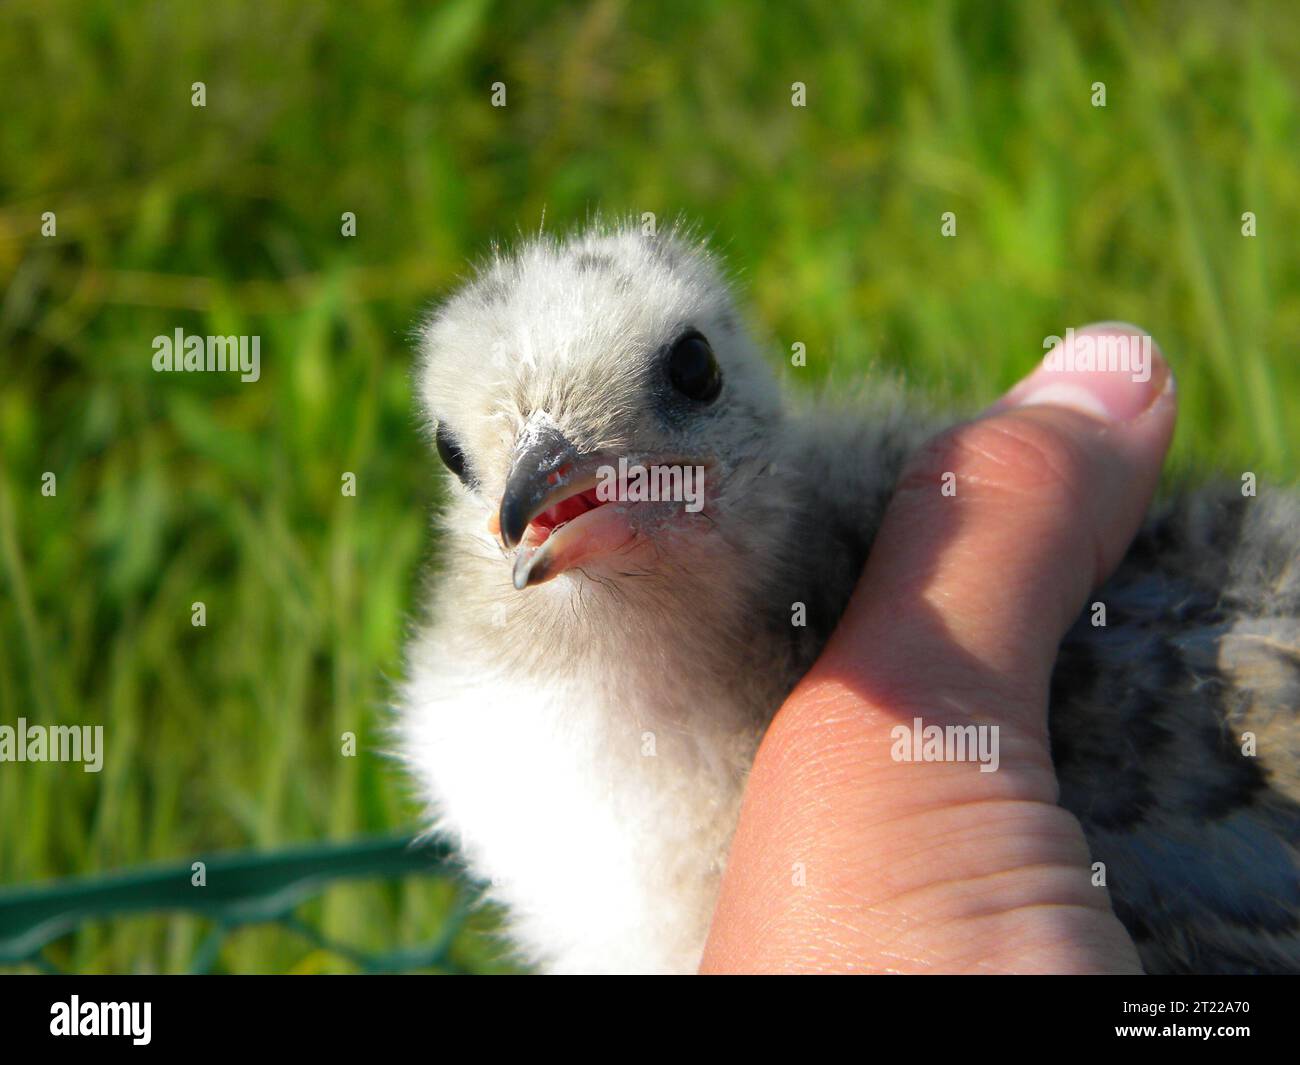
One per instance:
(226, 220)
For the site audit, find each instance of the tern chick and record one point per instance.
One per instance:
(588, 690)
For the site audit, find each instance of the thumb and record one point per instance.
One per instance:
(1000, 528)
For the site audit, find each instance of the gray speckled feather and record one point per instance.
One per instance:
(1149, 717)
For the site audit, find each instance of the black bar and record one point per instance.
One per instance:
(448, 1018)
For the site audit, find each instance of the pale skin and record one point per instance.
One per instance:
(846, 860)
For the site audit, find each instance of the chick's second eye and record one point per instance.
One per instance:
(693, 369)
(451, 454)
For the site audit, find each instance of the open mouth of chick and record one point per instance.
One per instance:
(561, 513)
(577, 525)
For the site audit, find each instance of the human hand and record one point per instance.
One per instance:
(936, 866)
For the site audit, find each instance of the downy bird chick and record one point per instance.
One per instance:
(587, 693)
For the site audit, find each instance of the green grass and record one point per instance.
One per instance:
(226, 219)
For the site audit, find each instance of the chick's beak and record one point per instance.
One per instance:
(542, 472)
(551, 511)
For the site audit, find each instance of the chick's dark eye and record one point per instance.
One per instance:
(693, 369)
(450, 453)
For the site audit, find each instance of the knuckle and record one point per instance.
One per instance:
(1011, 457)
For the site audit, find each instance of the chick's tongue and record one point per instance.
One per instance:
(566, 510)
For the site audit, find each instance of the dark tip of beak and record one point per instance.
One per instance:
(533, 477)
(514, 520)
(526, 571)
